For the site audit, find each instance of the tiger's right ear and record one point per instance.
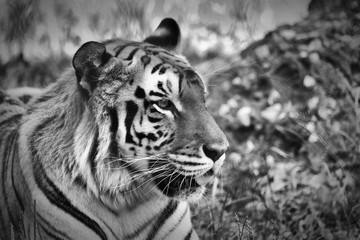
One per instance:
(167, 35)
(88, 63)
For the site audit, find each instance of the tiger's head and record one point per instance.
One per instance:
(152, 128)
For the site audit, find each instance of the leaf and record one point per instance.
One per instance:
(309, 81)
(272, 113)
(262, 51)
(244, 116)
(313, 102)
(223, 110)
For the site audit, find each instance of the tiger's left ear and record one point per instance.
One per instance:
(89, 62)
(167, 35)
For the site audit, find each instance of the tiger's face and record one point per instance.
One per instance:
(166, 118)
(161, 132)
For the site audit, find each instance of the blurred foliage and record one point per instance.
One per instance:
(20, 28)
(289, 105)
(288, 102)
(45, 32)
(42, 32)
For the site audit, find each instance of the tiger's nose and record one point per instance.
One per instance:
(214, 152)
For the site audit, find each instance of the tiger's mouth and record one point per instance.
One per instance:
(172, 183)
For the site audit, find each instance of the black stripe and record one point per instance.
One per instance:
(42, 98)
(2, 112)
(152, 137)
(25, 98)
(170, 140)
(7, 156)
(180, 82)
(156, 50)
(14, 102)
(163, 70)
(114, 125)
(49, 226)
(168, 85)
(111, 230)
(140, 136)
(160, 86)
(13, 119)
(188, 236)
(179, 61)
(166, 214)
(131, 110)
(161, 144)
(40, 234)
(118, 51)
(51, 191)
(155, 53)
(2, 188)
(140, 229)
(50, 234)
(109, 41)
(188, 163)
(154, 120)
(146, 104)
(177, 224)
(120, 48)
(15, 157)
(156, 67)
(141, 119)
(131, 55)
(157, 94)
(93, 152)
(140, 93)
(56, 197)
(153, 110)
(2, 225)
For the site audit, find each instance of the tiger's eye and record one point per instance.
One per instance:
(164, 104)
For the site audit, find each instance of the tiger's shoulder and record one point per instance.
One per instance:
(11, 110)
(14, 104)
(24, 94)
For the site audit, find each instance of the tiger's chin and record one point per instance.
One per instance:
(128, 197)
(186, 188)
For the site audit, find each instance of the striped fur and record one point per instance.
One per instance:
(115, 149)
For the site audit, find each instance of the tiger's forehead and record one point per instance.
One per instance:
(165, 75)
(148, 54)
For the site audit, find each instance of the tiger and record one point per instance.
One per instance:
(117, 148)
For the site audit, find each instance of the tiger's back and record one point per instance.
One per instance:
(12, 205)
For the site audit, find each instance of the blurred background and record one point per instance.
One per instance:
(283, 80)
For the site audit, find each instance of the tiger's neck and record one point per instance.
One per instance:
(61, 147)
(51, 122)
(70, 144)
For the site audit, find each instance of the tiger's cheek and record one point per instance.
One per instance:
(142, 133)
(156, 134)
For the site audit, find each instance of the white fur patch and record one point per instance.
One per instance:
(152, 79)
(165, 112)
(183, 227)
(83, 141)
